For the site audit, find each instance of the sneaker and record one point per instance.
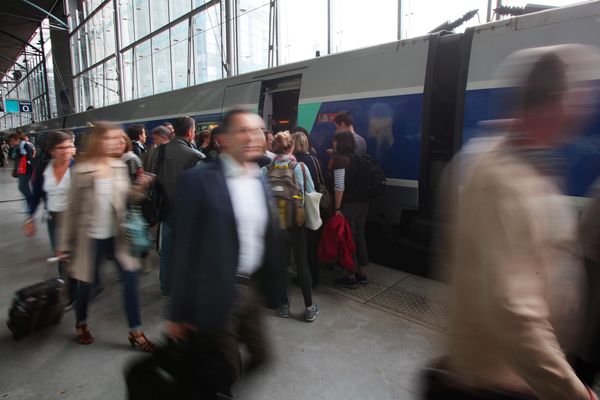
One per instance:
(362, 279)
(346, 282)
(310, 314)
(284, 311)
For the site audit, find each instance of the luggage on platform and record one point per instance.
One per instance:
(35, 307)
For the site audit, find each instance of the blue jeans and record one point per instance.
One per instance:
(62, 267)
(166, 234)
(106, 248)
(25, 188)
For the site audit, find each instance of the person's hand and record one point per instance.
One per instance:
(145, 180)
(64, 256)
(178, 330)
(29, 228)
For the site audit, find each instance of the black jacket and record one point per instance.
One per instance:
(179, 156)
(206, 250)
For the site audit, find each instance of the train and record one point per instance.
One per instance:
(415, 101)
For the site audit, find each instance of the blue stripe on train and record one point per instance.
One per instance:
(582, 153)
(391, 126)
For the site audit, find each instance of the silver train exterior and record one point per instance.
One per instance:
(415, 101)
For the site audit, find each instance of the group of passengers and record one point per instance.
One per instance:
(210, 247)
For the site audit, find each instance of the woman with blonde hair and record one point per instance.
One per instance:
(295, 241)
(93, 227)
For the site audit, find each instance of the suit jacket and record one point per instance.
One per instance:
(206, 250)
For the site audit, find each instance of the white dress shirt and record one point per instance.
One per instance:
(56, 193)
(250, 210)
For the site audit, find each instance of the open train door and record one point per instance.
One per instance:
(443, 90)
(279, 100)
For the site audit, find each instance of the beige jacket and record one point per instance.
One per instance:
(74, 229)
(515, 280)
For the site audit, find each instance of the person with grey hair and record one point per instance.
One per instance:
(510, 257)
(160, 135)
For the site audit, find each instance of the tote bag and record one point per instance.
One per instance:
(311, 206)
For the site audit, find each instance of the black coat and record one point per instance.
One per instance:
(206, 250)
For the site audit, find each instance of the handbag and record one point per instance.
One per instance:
(313, 211)
(136, 232)
(326, 202)
(311, 206)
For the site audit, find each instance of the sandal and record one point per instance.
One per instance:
(83, 335)
(139, 339)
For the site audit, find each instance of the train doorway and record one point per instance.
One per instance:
(279, 101)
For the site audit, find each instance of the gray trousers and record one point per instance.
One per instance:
(356, 214)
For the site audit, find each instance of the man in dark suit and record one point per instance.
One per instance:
(225, 249)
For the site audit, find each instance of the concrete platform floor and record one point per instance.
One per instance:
(368, 343)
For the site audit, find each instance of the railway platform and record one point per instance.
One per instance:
(367, 343)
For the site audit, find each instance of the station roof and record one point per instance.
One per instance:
(18, 21)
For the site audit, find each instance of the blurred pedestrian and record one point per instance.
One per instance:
(227, 241)
(24, 153)
(53, 182)
(93, 227)
(511, 260)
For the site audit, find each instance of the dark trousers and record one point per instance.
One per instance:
(166, 232)
(53, 221)
(356, 214)
(105, 248)
(25, 188)
(295, 244)
(245, 326)
(441, 384)
(312, 246)
(587, 362)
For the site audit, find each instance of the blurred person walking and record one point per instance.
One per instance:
(93, 227)
(24, 153)
(587, 364)
(52, 184)
(514, 275)
(226, 245)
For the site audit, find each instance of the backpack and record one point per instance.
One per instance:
(286, 192)
(367, 179)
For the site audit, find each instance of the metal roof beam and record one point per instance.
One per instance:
(13, 61)
(3, 32)
(48, 13)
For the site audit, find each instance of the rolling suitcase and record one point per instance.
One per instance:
(35, 307)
